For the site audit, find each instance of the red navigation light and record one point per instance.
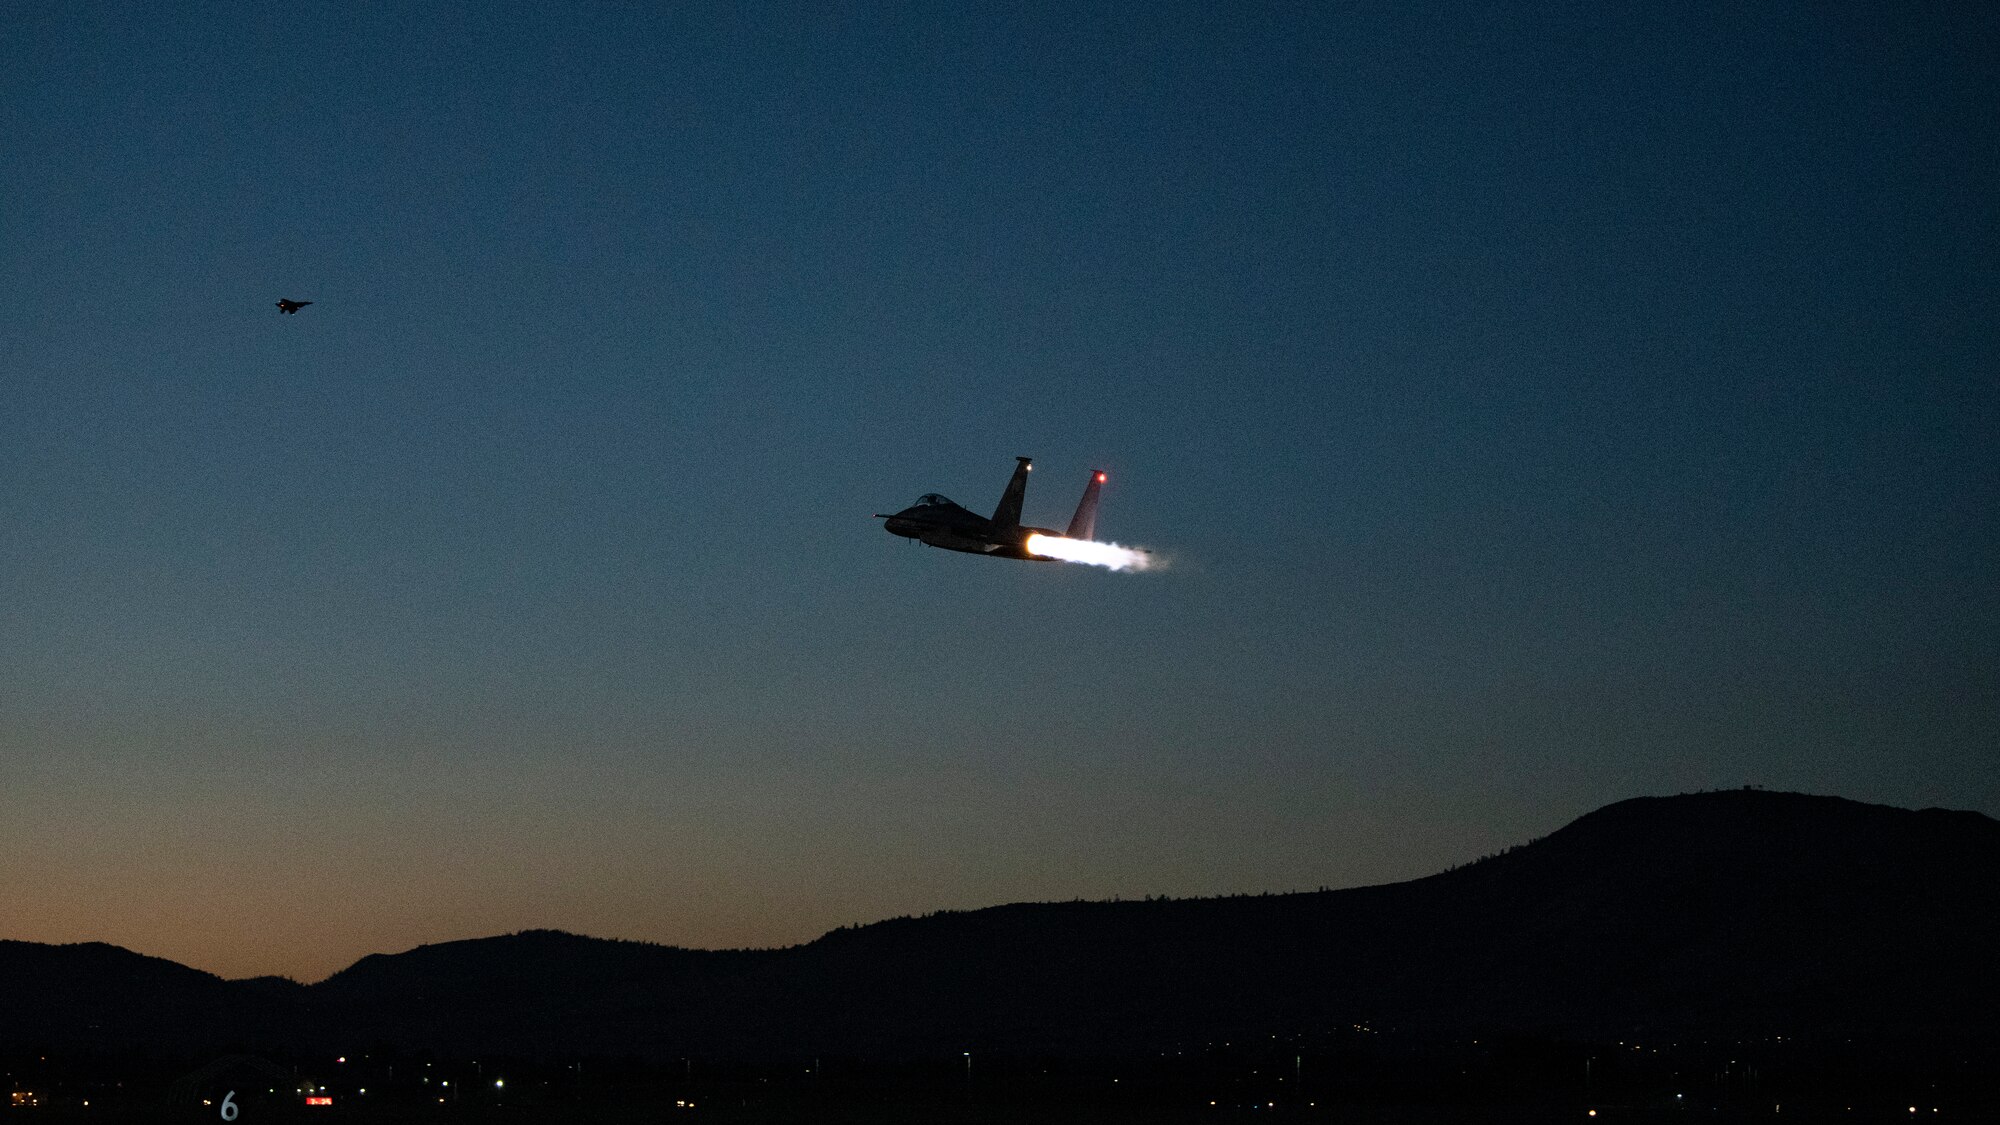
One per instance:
(1100, 478)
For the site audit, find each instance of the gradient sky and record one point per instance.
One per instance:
(1540, 405)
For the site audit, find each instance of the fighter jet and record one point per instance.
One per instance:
(938, 522)
(285, 306)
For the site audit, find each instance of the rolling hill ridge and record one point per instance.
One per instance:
(1729, 913)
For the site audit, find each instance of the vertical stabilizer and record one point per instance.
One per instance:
(1083, 525)
(1008, 514)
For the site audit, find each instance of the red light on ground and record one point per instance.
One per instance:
(319, 1101)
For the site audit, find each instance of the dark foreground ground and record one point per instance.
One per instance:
(784, 1112)
(1360, 1076)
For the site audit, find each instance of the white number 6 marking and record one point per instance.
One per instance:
(229, 1106)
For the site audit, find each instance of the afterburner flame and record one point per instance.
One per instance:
(1109, 555)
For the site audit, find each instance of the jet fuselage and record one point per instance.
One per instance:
(942, 523)
(938, 522)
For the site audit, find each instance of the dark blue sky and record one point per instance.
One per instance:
(1539, 405)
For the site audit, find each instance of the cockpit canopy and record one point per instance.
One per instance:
(932, 499)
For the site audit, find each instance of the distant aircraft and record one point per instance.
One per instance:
(938, 522)
(285, 306)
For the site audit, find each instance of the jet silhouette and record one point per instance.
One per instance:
(937, 522)
(285, 306)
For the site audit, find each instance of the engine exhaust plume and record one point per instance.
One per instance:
(1109, 555)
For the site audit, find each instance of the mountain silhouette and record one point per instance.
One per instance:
(100, 996)
(1718, 914)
